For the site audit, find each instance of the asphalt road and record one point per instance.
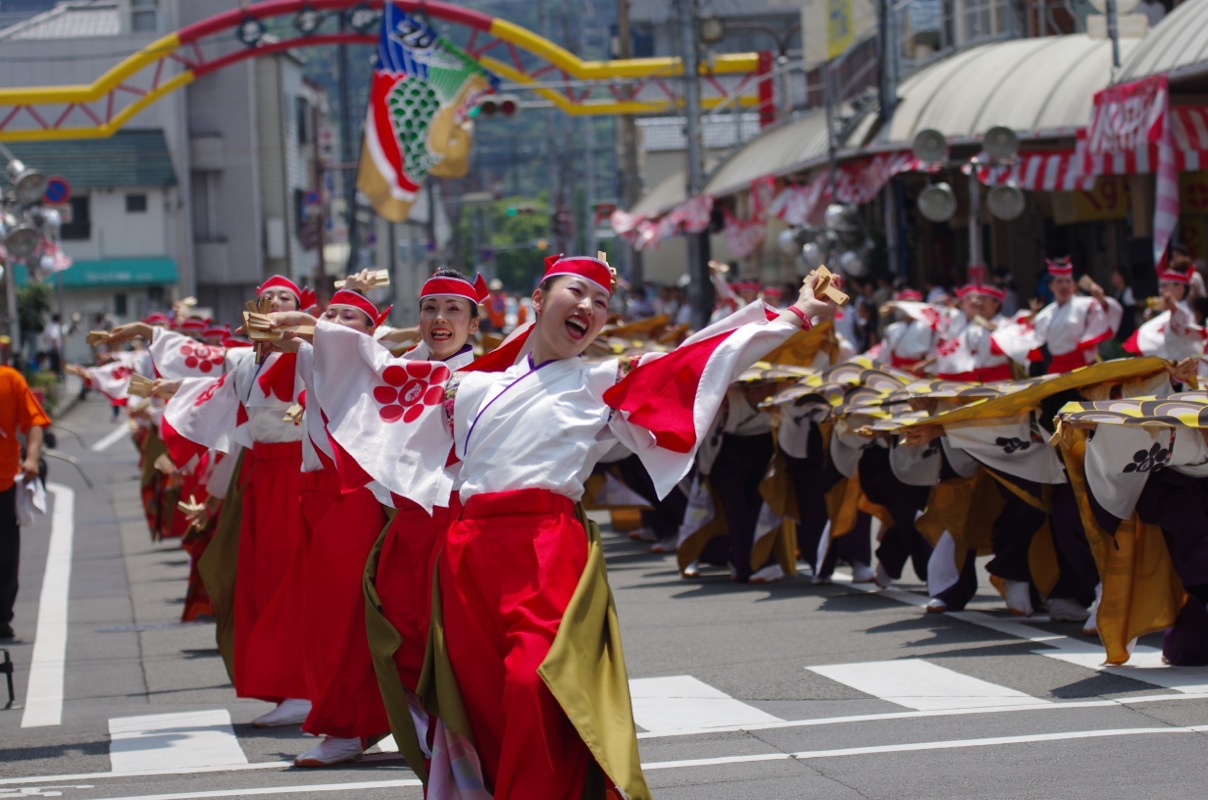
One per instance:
(782, 691)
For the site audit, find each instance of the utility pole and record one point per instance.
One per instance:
(627, 134)
(350, 170)
(700, 289)
(319, 281)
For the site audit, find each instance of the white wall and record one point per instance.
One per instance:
(117, 234)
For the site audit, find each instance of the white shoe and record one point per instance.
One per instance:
(935, 606)
(769, 574)
(1066, 609)
(643, 535)
(664, 545)
(1091, 626)
(331, 751)
(861, 573)
(287, 712)
(882, 577)
(692, 570)
(1018, 596)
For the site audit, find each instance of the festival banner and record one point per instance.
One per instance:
(418, 123)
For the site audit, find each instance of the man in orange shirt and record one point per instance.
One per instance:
(20, 413)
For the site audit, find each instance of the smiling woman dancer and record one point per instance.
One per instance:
(518, 554)
(246, 407)
(341, 526)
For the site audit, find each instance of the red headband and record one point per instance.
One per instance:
(992, 291)
(475, 292)
(967, 290)
(910, 295)
(591, 269)
(194, 325)
(773, 291)
(157, 319)
(346, 298)
(1174, 276)
(1060, 266)
(216, 333)
(305, 298)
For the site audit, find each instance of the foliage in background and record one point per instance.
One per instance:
(48, 384)
(33, 308)
(513, 240)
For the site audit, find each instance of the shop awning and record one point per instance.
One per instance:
(1177, 46)
(1040, 88)
(114, 273)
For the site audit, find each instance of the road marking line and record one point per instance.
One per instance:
(951, 744)
(113, 437)
(174, 741)
(923, 686)
(1144, 666)
(681, 701)
(806, 755)
(301, 788)
(44, 696)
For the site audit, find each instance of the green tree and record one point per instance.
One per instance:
(33, 308)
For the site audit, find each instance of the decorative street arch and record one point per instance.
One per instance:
(531, 62)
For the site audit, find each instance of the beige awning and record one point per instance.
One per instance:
(1177, 44)
(666, 194)
(789, 148)
(1039, 88)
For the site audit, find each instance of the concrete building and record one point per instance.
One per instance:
(238, 144)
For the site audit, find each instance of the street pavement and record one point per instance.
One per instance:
(788, 690)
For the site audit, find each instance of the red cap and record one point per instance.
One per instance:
(305, 298)
(157, 319)
(912, 295)
(475, 292)
(194, 325)
(591, 269)
(216, 332)
(346, 298)
(1060, 266)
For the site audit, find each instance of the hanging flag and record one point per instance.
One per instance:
(418, 121)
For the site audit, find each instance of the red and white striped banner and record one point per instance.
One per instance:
(1062, 171)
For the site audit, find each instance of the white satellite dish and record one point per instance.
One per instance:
(937, 202)
(1006, 202)
(1001, 143)
(929, 145)
(787, 241)
(812, 255)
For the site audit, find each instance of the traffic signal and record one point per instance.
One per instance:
(502, 105)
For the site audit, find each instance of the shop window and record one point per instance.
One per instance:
(77, 225)
(144, 16)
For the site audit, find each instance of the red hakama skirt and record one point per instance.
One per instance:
(269, 624)
(510, 566)
(341, 529)
(404, 580)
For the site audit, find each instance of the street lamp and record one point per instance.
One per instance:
(937, 202)
(713, 29)
(21, 230)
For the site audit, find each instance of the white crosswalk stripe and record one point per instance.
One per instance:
(682, 702)
(174, 741)
(923, 686)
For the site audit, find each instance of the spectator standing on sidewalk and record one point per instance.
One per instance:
(20, 413)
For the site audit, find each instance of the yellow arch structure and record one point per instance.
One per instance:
(101, 108)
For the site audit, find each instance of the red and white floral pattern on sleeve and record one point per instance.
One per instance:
(177, 356)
